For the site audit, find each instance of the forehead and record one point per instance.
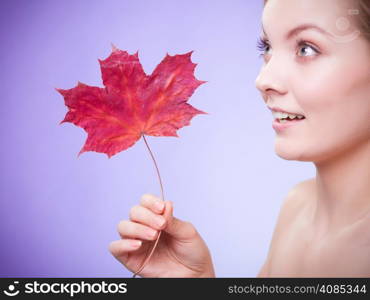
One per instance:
(281, 15)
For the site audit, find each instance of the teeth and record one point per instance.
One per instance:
(281, 115)
(283, 121)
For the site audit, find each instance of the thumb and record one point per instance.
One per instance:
(175, 227)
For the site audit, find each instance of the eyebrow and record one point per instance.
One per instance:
(293, 32)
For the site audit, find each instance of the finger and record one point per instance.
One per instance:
(132, 230)
(177, 228)
(152, 202)
(120, 248)
(144, 216)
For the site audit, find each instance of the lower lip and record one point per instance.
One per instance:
(281, 126)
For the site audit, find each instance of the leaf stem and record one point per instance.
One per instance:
(159, 234)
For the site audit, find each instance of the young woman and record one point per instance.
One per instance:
(316, 70)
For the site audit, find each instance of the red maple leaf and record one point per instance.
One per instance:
(132, 103)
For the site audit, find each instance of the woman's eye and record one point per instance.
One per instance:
(308, 50)
(262, 46)
(304, 49)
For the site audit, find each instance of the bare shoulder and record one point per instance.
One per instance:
(296, 199)
(293, 204)
(301, 189)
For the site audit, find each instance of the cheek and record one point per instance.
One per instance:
(336, 99)
(319, 94)
(337, 109)
(320, 89)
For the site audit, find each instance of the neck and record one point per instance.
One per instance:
(342, 189)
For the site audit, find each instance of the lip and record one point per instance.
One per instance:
(282, 126)
(278, 109)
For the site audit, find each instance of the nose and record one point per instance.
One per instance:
(271, 79)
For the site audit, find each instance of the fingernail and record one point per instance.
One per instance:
(151, 233)
(135, 243)
(160, 221)
(159, 205)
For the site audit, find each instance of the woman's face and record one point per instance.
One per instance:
(323, 76)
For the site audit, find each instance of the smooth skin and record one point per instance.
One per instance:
(324, 225)
(323, 228)
(181, 252)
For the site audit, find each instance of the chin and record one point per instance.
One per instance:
(294, 152)
(303, 153)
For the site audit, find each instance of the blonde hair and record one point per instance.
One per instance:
(363, 18)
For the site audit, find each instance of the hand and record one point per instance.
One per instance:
(180, 252)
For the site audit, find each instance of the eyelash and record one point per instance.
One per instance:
(262, 43)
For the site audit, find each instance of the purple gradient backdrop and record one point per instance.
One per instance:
(58, 212)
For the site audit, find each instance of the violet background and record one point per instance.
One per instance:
(59, 213)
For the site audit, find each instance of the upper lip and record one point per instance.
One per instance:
(278, 109)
